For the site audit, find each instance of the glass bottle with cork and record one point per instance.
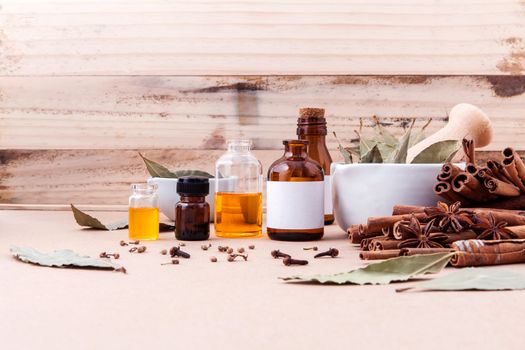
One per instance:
(295, 195)
(311, 126)
(143, 212)
(238, 197)
(192, 212)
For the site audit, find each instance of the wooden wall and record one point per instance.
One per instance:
(86, 84)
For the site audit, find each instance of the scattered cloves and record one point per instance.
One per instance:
(122, 243)
(251, 246)
(222, 249)
(240, 250)
(278, 254)
(213, 259)
(229, 250)
(135, 242)
(289, 261)
(314, 248)
(232, 257)
(172, 262)
(121, 269)
(205, 246)
(332, 252)
(133, 249)
(176, 251)
(164, 251)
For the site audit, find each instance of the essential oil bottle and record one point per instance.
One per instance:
(311, 126)
(295, 195)
(143, 212)
(238, 197)
(192, 213)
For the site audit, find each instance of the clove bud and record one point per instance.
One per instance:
(172, 262)
(232, 257)
(311, 248)
(251, 246)
(205, 246)
(332, 252)
(289, 261)
(176, 251)
(278, 254)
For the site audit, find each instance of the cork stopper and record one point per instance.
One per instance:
(309, 112)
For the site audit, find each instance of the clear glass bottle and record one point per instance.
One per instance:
(238, 197)
(143, 212)
(311, 126)
(295, 195)
(192, 213)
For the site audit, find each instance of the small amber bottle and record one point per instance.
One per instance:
(295, 195)
(192, 212)
(311, 126)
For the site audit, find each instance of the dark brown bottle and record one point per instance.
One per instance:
(192, 213)
(295, 195)
(311, 126)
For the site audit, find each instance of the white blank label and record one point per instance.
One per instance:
(295, 205)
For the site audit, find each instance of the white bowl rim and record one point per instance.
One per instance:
(392, 165)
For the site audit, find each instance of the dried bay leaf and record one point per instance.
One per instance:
(385, 136)
(62, 258)
(399, 155)
(157, 170)
(473, 278)
(401, 268)
(438, 152)
(86, 220)
(372, 156)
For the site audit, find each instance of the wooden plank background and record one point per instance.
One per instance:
(84, 85)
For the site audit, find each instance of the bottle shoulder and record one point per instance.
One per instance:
(285, 169)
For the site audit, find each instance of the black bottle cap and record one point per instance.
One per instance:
(193, 186)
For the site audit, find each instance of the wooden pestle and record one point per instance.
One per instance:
(465, 120)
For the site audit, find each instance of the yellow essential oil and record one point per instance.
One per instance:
(238, 214)
(144, 224)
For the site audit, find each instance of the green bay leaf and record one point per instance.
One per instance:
(158, 170)
(399, 155)
(396, 269)
(438, 152)
(473, 278)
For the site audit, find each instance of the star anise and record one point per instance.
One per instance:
(490, 229)
(421, 237)
(450, 217)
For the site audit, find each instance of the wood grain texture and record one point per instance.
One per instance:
(261, 37)
(186, 112)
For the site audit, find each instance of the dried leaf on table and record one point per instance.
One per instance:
(438, 152)
(86, 220)
(474, 279)
(62, 258)
(157, 170)
(391, 270)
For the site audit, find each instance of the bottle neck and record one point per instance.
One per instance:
(295, 151)
(192, 199)
(317, 129)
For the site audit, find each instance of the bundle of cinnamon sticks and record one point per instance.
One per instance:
(497, 184)
(498, 235)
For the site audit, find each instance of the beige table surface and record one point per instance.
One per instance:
(204, 305)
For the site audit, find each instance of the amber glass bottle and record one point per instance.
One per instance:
(295, 195)
(192, 213)
(311, 126)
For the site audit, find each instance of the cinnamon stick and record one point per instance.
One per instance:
(470, 187)
(472, 168)
(423, 251)
(376, 225)
(498, 171)
(448, 172)
(386, 244)
(510, 166)
(509, 203)
(444, 189)
(355, 233)
(469, 150)
(480, 253)
(501, 188)
(365, 243)
(379, 254)
(520, 166)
